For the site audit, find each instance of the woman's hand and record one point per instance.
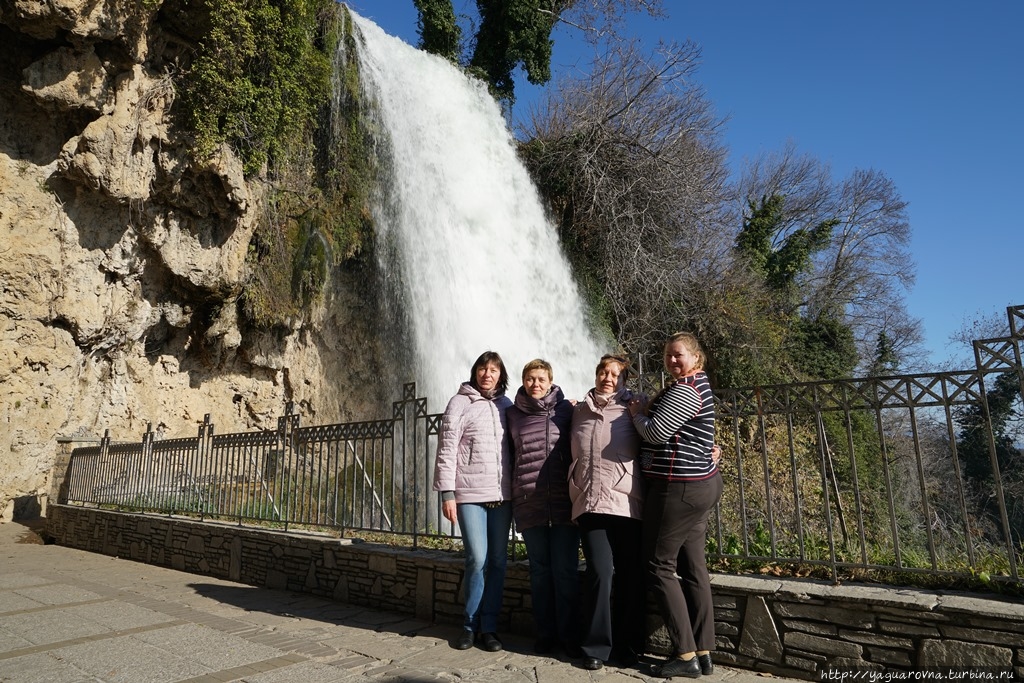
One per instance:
(716, 454)
(449, 510)
(637, 405)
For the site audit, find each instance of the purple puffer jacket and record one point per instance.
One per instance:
(539, 432)
(473, 457)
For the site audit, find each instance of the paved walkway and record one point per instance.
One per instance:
(68, 616)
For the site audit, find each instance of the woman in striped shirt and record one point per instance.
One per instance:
(683, 485)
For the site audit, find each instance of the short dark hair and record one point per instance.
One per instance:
(486, 358)
(609, 358)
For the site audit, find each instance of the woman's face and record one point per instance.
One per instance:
(609, 378)
(537, 382)
(487, 376)
(679, 360)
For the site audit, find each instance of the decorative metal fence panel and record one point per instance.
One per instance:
(878, 475)
(360, 476)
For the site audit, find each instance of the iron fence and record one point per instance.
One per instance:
(907, 473)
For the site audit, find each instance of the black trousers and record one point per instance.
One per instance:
(674, 535)
(613, 586)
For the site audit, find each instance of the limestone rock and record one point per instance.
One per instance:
(66, 79)
(122, 261)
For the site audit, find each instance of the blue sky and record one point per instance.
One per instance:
(929, 93)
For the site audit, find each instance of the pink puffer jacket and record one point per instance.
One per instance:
(604, 476)
(473, 456)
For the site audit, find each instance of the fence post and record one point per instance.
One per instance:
(984, 367)
(287, 424)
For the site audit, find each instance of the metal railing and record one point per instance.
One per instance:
(860, 476)
(360, 476)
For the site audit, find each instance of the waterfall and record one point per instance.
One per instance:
(463, 238)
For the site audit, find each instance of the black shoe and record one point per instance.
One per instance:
(490, 642)
(543, 646)
(592, 663)
(688, 668)
(465, 641)
(707, 667)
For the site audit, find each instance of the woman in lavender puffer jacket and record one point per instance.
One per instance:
(473, 472)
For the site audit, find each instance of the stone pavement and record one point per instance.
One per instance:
(68, 616)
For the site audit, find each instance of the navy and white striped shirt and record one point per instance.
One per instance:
(679, 431)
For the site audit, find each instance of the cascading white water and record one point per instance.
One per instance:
(480, 264)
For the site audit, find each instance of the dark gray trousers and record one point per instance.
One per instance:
(675, 527)
(613, 586)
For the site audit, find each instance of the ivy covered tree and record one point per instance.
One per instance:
(780, 257)
(440, 33)
(819, 343)
(831, 251)
(507, 35)
(513, 33)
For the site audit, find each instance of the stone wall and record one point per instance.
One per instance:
(787, 627)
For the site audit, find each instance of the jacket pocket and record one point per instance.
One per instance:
(574, 490)
(626, 477)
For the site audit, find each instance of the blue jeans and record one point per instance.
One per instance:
(555, 581)
(485, 533)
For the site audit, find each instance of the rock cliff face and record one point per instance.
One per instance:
(121, 262)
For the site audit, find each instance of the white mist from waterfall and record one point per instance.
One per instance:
(480, 264)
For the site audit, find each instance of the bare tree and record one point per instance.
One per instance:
(600, 20)
(630, 159)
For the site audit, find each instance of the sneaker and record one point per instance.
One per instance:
(464, 641)
(490, 642)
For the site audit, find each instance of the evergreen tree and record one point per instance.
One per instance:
(886, 360)
(1004, 414)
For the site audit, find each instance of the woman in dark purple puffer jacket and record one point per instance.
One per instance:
(538, 427)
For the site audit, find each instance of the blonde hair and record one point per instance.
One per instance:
(692, 345)
(539, 364)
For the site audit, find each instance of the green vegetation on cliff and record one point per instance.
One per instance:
(260, 74)
(261, 83)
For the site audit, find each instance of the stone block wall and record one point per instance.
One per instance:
(795, 628)
(804, 628)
